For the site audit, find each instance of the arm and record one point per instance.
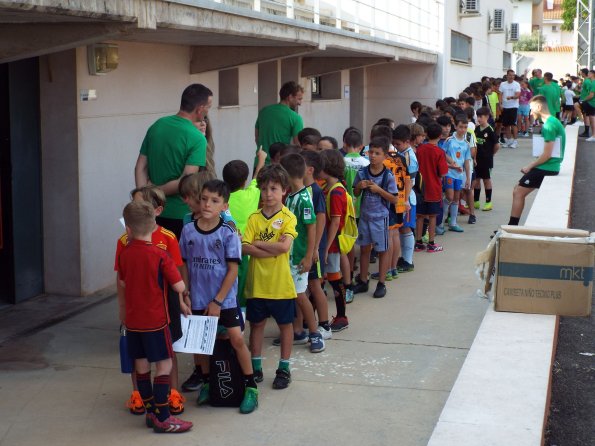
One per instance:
(320, 225)
(179, 287)
(232, 274)
(467, 173)
(171, 187)
(120, 285)
(262, 157)
(275, 248)
(141, 171)
(306, 262)
(548, 148)
(384, 194)
(407, 192)
(256, 135)
(185, 303)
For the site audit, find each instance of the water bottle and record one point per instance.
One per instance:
(125, 359)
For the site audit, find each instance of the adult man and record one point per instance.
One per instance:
(546, 164)
(551, 90)
(536, 81)
(511, 91)
(589, 104)
(174, 147)
(585, 91)
(279, 122)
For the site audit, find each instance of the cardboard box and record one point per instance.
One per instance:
(544, 271)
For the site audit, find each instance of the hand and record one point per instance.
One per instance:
(467, 185)
(374, 188)
(315, 256)
(305, 265)
(185, 309)
(213, 310)
(526, 169)
(261, 154)
(326, 256)
(407, 206)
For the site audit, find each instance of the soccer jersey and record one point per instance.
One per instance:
(486, 140)
(337, 208)
(244, 202)
(432, 166)
(553, 130)
(535, 83)
(398, 166)
(586, 89)
(162, 238)
(413, 168)
(551, 92)
(373, 205)
(300, 204)
(206, 254)
(459, 151)
(277, 123)
(145, 269)
(270, 277)
(354, 162)
(493, 100)
(319, 202)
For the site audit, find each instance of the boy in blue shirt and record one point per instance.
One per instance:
(211, 250)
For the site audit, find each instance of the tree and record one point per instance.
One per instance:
(529, 42)
(568, 14)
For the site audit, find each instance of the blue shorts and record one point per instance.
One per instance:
(428, 208)
(409, 221)
(155, 346)
(524, 110)
(451, 183)
(282, 310)
(373, 232)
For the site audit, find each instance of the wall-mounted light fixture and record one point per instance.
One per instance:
(102, 58)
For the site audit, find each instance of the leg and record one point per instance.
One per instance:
(305, 307)
(319, 300)
(286, 340)
(364, 262)
(257, 336)
(518, 202)
(396, 248)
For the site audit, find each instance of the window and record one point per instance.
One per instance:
(326, 86)
(506, 60)
(229, 91)
(460, 48)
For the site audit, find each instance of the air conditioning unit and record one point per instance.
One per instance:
(497, 20)
(469, 6)
(514, 32)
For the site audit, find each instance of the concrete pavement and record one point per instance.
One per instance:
(383, 381)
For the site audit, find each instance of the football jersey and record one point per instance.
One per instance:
(460, 152)
(373, 205)
(413, 168)
(397, 164)
(270, 277)
(162, 238)
(206, 254)
(300, 204)
(486, 140)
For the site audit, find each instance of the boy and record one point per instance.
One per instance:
(336, 210)
(166, 240)
(432, 166)
(379, 189)
(487, 146)
(269, 285)
(211, 251)
(314, 167)
(300, 204)
(143, 310)
(458, 153)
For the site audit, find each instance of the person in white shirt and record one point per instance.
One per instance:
(511, 91)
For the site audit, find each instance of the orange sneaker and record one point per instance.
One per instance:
(135, 404)
(176, 402)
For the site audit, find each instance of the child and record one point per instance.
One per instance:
(310, 142)
(524, 98)
(569, 103)
(143, 310)
(211, 250)
(327, 142)
(189, 188)
(302, 251)
(401, 140)
(314, 167)
(487, 146)
(269, 285)
(377, 184)
(418, 134)
(432, 166)
(458, 153)
(166, 240)
(336, 210)
(275, 152)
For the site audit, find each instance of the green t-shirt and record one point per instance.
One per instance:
(553, 129)
(300, 204)
(586, 89)
(536, 83)
(170, 144)
(277, 123)
(493, 101)
(244, 202)
(552, 96)
(353, 163)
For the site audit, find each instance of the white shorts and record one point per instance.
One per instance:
(300, 280)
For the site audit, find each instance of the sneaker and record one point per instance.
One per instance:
(419, 247)
(282, 379)
(150, 420)
(591, 139)
(349, 296)
(176, 402)
(135, 403)
(440, 230)
(456, 228)
(405, 267)
(316, 343)
(194, 381)
(298, 339)
(387, 277)
(394, 273)
(258, 376)
(585, 134)
(326, 334)
(514, 144)
(339, 324)
(250, 401)
(203, 395)
(435, 248)
(472, 220)
(360, 287)
(380, 290)
(476, 204)
(172, 425)
(462, 210)
(487, 206)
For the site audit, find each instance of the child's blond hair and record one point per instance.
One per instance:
(139, 216)
(151, 194)
(190, 185)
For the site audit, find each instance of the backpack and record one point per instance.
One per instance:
(392, 212)
(226, 380)
(348, 234)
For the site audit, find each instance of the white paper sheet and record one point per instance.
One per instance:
(539, 143)
(198, 335)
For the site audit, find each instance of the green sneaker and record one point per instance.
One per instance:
(426, 237)
(388, 276)
(476, 204)
(203, 395)
(250, 401)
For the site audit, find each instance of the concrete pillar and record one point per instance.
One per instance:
(268, 88)
(290, 70)
(357, 84)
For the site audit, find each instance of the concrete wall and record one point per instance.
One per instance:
(557, 63)
(522, 13)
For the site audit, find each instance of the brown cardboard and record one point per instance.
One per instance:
(544, 271)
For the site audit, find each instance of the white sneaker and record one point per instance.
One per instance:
(514, 144)
(591, 139)
(326, 334)
(507, 142)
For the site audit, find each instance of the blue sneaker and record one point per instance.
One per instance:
(394, 273)
(316, 343)
(455, 228)
(440, 230)
(298, 339)
(348, 296)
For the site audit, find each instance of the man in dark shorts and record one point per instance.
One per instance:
(547, 164)
(511, 91)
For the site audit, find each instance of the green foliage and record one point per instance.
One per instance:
(529, 42)
(568, 14)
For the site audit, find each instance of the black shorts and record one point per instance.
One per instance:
(153, 345)
(282, 310)
(428, 208)
(575, 99)
(229, 318)
(175, 225)
(315, 272)
(568, 107)
(509, 116)
(482, 171)
(535, 177)
(173, 309)
(588, 109)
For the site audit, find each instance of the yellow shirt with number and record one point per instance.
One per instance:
(270, 277)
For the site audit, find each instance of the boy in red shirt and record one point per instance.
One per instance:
(143, 268)
(432, 167)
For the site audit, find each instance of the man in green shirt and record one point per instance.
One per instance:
(536, 81)
(588, 102)
(546, 164)
(551, 90)
(279, 122)
(585, 90)
(174, 147)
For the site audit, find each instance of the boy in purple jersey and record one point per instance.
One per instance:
(212, 251)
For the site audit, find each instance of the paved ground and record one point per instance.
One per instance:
(572, 411)
(382, 381)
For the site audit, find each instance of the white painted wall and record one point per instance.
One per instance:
(522, 13)
(556, 63)
(557, 38)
